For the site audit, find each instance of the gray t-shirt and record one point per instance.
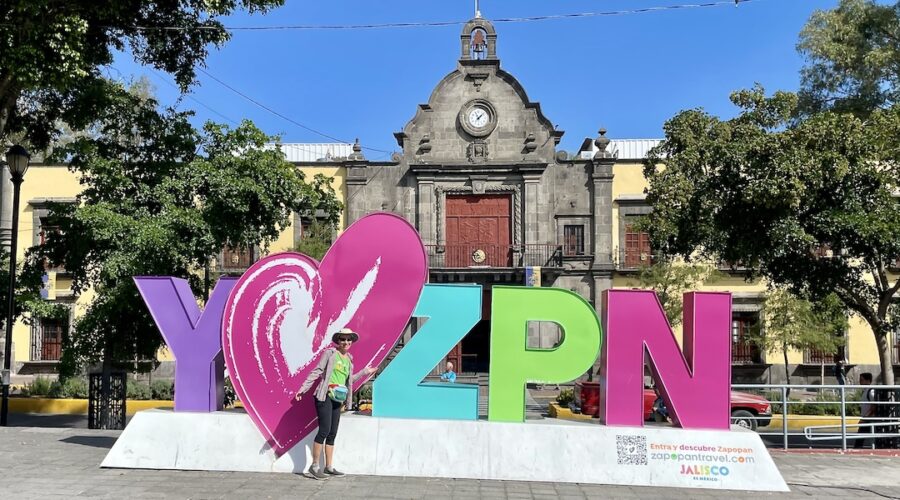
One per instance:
(866, 408)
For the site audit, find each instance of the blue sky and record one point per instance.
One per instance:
(628, 73)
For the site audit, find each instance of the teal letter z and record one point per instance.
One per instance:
(452, 310)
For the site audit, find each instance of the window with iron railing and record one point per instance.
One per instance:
(744, 350)
(637, 247)
(47, 338)
(237, 258)
(573, 240)
(819, 356)
(46, 231)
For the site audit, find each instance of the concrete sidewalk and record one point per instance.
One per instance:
(41, 462)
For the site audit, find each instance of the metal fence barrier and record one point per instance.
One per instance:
(803, 405)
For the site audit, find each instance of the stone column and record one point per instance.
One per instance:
(601, 204)
(355, 203)
(601, 208)
(531, 202)
(426, 212)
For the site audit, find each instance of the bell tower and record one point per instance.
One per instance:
(478, 40)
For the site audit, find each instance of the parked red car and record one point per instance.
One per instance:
(747, 410)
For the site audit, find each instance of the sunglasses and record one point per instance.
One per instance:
(345, 339)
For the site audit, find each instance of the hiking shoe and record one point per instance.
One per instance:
(315, 473)
(332, 471)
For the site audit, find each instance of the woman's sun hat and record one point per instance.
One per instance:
(345, 331)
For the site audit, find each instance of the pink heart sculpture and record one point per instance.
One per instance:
(281, 315)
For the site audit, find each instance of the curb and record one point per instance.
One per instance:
(52, 406)
(563, 413)
(799, 422)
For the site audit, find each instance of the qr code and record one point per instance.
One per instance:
(631, 450)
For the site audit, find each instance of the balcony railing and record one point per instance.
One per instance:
(633, 259)
(818, 356)
(476, 255)
(745, 353)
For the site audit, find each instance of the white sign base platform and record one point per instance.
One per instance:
(545, 450)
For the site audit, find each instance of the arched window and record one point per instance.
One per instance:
(478, 45)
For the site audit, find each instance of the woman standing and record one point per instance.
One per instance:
(334, 391)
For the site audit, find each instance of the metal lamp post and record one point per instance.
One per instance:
(17, 159)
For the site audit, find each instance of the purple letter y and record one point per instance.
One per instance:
(194, 338)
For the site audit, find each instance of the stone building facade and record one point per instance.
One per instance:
(482, 180)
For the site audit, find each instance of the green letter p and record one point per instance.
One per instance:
(513, 364)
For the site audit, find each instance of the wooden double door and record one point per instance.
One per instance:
(478, 230)
(479, 233)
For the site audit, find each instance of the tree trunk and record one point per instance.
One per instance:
(884, 356)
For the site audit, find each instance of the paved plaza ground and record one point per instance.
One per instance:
(62, 462)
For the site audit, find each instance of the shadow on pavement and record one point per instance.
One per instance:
(43, 420)
(96, 441)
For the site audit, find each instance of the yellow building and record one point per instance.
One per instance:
(37, 346)
(749, 363)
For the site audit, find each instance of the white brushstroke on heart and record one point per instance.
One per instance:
(291, 292)
(296, 320)
(354, 300)
(311, 274)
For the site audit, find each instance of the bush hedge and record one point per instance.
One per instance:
(824, 403)
(565, 397)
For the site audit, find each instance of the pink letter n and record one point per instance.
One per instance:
(695, 386)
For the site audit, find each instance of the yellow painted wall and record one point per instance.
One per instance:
(285, 241)
(628, 180)
(40, 182)
(59, 182)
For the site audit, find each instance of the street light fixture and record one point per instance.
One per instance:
(17, 160)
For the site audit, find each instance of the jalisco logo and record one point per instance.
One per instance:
(705, 470)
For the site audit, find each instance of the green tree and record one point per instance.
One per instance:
(790, 322)
(29, 283)
(853, 58)
(159, 197)
(315, 240)
(807, 203)
(671, 280)
(54, 53)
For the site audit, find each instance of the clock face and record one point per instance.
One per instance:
(478, 117)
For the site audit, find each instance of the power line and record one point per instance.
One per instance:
(283, 117)
(211, 109)
(189, 96)
(432, 24)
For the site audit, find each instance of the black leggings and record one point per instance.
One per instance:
(329, 412)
